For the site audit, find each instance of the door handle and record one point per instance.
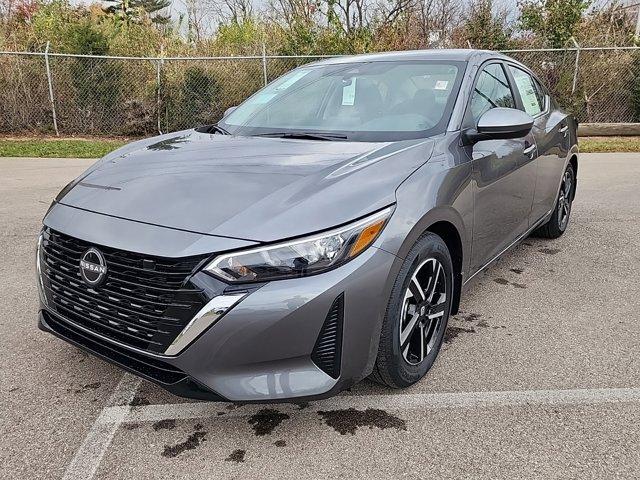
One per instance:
(564, 130)
(529, 150)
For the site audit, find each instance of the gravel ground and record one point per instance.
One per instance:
(553, 326)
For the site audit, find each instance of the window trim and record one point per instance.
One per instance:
(547, 102)
(467, 120)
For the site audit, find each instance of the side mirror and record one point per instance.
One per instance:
(499, 123)
(228, 111)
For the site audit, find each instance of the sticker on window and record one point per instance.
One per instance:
(349, 93)
(441, 85)
(528, 95)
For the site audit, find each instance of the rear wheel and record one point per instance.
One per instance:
(559, 220)
(417, 314)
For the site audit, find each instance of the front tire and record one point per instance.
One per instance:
(417, 314)
(559, 220)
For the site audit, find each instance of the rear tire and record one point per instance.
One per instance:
(559, 220)
(417, 314)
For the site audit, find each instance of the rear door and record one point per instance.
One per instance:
(503, 170)
(551, 133)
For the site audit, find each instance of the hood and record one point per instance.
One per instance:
(260, 189)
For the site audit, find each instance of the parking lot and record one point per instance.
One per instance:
(539, 376)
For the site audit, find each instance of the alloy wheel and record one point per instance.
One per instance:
(564, 200)
(423, 311)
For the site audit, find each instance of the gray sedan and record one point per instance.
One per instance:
(322, 232)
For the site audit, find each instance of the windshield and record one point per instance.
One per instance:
(374, 101)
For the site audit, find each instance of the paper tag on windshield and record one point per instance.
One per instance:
(349, 93)
(441, 85)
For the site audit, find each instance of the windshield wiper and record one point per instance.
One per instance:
(215, 128)
(305, 135)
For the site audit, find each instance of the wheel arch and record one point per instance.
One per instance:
(448, 225)
(573, 161)
(451, 237)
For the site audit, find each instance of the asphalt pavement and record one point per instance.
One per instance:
(539, 376)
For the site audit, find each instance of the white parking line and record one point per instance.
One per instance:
(416, 401)
(88, 457)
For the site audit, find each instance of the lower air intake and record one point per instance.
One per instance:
(327, 350)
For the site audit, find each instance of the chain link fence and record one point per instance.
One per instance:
(44, 93)
(597, 85)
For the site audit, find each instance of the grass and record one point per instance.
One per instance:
(57, 148)
(96, 148)
(609, 144)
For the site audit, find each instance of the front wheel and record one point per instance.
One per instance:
(417, 314)
(559, 220)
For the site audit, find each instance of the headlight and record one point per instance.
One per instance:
(298, 258)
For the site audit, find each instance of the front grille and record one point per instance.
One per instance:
(326, 352)
(156, 370)
(144, 301)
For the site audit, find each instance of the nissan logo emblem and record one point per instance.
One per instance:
(93, 267)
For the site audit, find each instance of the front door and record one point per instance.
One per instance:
(504, 172)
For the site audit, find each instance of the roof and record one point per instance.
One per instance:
(433, 54)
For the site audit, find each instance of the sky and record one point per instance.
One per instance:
(178, 7)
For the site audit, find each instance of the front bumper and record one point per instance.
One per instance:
(261, 349)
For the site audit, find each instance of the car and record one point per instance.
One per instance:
(320, 233)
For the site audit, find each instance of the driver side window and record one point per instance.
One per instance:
(492, 90)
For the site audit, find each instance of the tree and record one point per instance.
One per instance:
(437, 19)
(555, 21)
(139, 11)
(484, 29)
(234, 11)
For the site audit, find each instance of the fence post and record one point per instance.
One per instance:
(264, 63)
(575, 70)
(53, 105)
(158, 96)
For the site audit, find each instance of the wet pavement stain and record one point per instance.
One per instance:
(350, 419)
(302, 405)
(504, 281)
(91, 386)
(130, 426)
(452, 332)
(84, 388)
(198, 426)
(517, 270)
(236, 456)
(280, 443)
(483, 324)
(139, 401)
(266, 420)
(168, 424)
(471, 317)
(549, 251)
(190, 443)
